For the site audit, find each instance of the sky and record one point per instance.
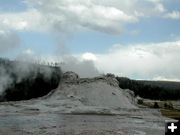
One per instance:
(139, 39)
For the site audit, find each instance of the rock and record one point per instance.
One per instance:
(139, 100)
(111, 79)
(130, 95)
(70, 77)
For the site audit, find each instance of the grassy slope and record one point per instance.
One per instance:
(171, 113)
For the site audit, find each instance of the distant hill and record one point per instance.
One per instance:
(163, 84)
(159, 90)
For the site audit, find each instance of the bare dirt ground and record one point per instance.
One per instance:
(68, 124)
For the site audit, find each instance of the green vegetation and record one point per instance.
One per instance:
(156, 90)
(171, 113)
(24, 80)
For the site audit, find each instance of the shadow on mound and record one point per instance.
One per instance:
(28, 80)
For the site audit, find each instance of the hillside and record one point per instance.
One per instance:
(24, 80)
(158, 90)
(163, 84)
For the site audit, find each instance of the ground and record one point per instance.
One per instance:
(95, 106)
(63, 124)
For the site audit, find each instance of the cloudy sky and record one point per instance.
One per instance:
(135, 38)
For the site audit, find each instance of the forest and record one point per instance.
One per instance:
(156, 90)
(24, 80)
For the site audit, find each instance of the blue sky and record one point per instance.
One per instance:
(148, 31)
(92, 30)
(12, 6)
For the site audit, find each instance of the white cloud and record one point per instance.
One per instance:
(155, 1)
(28, 52)
(71, 15)
(68, 15)
(142, 61)
(27, 55)
(161, 78)
(159, 7)
(89, 56)
(27, 20)
(173, 15)
(103, 15)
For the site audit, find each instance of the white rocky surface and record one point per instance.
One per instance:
(95, 106)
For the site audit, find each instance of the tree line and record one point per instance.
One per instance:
(27, 80)
(156, 90)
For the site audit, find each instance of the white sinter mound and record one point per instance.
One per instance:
(81, 106)
(98, 92)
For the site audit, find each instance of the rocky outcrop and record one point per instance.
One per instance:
(70, 77)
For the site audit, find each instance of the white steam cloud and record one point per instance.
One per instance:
(8, 41)
(84, 68)
(5, 80)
